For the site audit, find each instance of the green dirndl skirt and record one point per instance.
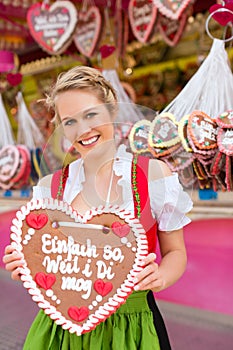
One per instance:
(131, 327)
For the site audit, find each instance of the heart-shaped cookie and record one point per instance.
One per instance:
(202, 133)
(88, 31)
(9, 161)
(225, 141)
(172, 30)
(172, 9)
(79, 269)
(53, 26)
(164, 131)
(139, 135)
(225, 119)
(142, 16)
(183, 133)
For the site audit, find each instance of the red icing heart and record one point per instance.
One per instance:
(103, 288)
(142, 16)
(121, 230)
(88, 31)
(36, 221)
(222, 17)
(44, 280)
(78, 314)
(61, 16)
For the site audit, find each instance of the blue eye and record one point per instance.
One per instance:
(90, 115)
(70, 122)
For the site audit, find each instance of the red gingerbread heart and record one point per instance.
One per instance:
(53, 26)
(88, 30)
(78, 268)
(142, 16)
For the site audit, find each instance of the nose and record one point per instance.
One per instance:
(83, 127)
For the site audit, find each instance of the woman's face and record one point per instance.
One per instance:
(86, 121)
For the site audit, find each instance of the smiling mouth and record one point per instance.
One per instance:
(90, 141)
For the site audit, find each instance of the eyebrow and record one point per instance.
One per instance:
(80, 113)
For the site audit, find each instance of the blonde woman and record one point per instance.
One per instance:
(85, 106)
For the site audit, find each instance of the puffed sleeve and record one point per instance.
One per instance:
(169, 203)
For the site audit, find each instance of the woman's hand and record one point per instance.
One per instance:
(150, 277)
(13, 261)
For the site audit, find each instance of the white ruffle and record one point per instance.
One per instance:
(40, 192)
(169, 203)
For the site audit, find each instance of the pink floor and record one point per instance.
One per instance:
(208, 280)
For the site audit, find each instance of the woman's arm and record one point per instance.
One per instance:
(160, 275)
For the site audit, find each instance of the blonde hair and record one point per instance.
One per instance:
(83, 78)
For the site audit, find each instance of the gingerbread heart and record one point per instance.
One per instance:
(172, 30)
(53, 26)
(183, 133)
(9, 161)
(202, 133)
(172, 9)
(138, 137)
(164, 131)
(142, 16)
(79, 269)
(88, 31)
(225, 119)
(225, 141)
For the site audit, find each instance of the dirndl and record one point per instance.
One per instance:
(131, 327)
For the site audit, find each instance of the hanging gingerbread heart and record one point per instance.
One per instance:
(53, 26)
(225, 141)
(88, 31)
(142, 17)
(172, 29)
(225, 119)
(164, 131)
(139, 135)
(202, 133)
(79, 269)
(9, 162)
(172, 9)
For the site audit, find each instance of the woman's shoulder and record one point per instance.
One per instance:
(45, 181)
(158, 170)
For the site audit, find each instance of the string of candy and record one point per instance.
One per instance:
(134, 185)
(62, 182)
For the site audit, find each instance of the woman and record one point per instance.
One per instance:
(85, 106)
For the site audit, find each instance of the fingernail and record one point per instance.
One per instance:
(135, 280)
(136, 287)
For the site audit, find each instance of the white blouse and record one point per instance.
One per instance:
(169, 203)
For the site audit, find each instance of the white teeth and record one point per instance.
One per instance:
(89, 141)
